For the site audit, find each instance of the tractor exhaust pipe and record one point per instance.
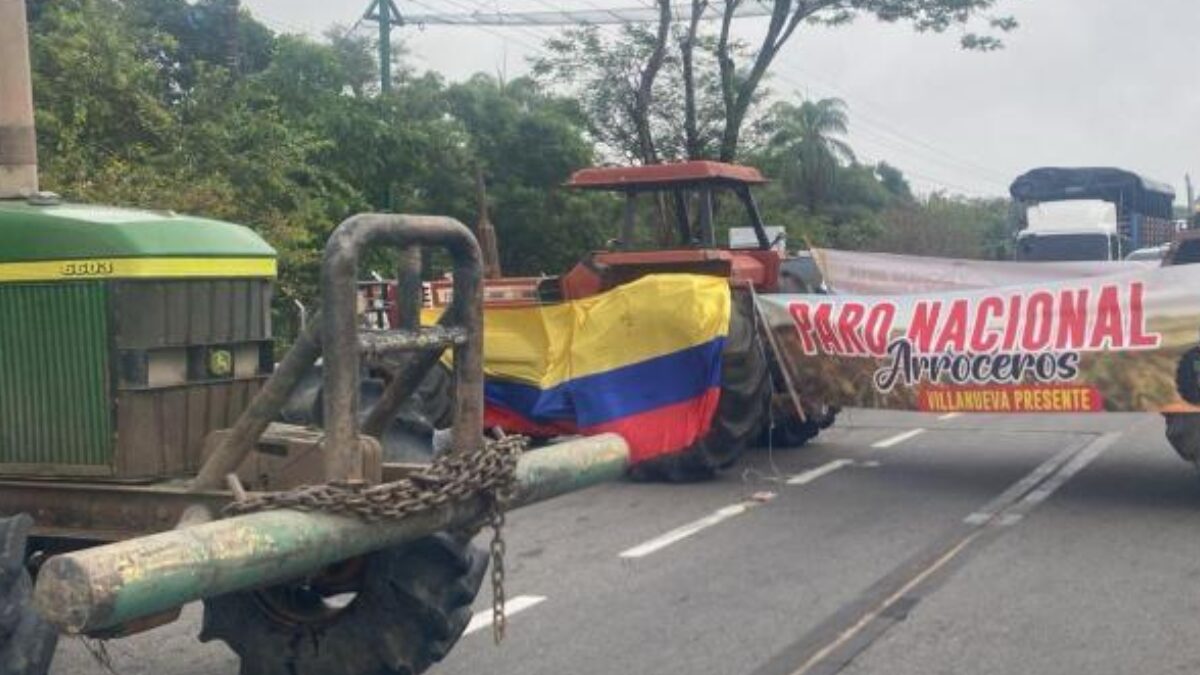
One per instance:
(18, 140)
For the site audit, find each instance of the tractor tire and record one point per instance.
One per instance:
(413, 602)
(793, 433)
(1183, 433)
(1187, 376)
(741, 411)
(26, 641)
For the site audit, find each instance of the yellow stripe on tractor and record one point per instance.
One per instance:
(133, 268)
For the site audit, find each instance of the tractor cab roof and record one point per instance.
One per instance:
(699, 177)
(654, 177)
(62, 231)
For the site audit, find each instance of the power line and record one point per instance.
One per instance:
(860, 102)
(409, 20)
(884, 135)
(565, 17)
(880, 133)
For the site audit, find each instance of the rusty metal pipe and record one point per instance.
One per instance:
(107, 586)
(339, 271)
(408, 288)
(264, 408)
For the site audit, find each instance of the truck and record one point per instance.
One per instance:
(1091, 213)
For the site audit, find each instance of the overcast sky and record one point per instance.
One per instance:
(1081, 82)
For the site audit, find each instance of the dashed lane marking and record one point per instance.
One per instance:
(898, 438)
(683, 532)
(483, 619)
(823, 470)
(721, 515)
(949, 416)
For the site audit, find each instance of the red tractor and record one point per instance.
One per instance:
(757, 402)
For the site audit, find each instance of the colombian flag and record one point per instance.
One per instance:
(642, 360)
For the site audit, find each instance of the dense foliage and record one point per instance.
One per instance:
(136, 106)
(179, 105)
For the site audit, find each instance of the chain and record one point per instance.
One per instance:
(451, 478)
(499, 620)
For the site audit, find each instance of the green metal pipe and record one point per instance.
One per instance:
(108, 586)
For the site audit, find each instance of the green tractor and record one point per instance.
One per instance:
(145, 464)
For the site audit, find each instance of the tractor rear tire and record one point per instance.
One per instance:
(793, 433)
(26, 641)
(741, 410)
(413, 603)
(1183, 433)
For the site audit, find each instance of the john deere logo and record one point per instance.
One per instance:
(220, 363)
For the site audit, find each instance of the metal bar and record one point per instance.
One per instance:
(630, 220)
(338, 273)
(406, 377)
(263, 410)
(408, 287)
(97, 588)
(379, 345)
(681, 218)
(109, 511)
(764, 328)
(760, 231)
(706, 216)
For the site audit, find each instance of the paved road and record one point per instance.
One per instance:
(898, 543)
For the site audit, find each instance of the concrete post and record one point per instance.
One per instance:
(18, 142)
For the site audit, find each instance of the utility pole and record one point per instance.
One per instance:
(18, 143)
(387, 15)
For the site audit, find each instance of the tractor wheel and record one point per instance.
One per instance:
(792, 433)
(745, 395)
(1187, 376)
(401, 611)
(26, 641)
(1183, 432)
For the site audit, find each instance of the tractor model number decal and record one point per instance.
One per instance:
(88, 268)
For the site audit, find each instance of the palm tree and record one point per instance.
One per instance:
(806, 137)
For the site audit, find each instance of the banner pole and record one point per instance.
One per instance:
(761, 322)
(819, 259)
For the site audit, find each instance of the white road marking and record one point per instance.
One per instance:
(813, 474)
(483, 619)
(949, 416)
(898, 438)
(683, 532)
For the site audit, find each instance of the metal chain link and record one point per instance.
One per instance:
(451, 478)
(499, 620)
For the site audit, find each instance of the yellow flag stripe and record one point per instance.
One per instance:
(133, 268)
(651, 317)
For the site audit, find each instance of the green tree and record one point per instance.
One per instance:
(808, 139)
(528, 143)
(134, 109)
(720, 79)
